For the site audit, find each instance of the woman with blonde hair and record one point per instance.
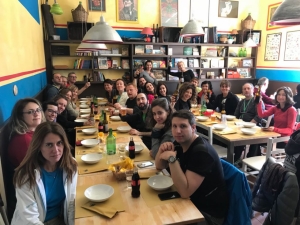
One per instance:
(67, 92)
(46, 179)
(183, 73)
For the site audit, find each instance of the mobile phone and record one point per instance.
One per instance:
(169, 195)
(145, 164)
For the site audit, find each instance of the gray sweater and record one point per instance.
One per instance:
(148, 78)
(159, 137)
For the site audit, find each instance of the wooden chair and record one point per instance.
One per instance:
(257, 162)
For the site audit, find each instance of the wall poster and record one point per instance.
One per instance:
(272, 50)
(292, 46)
(169, 13)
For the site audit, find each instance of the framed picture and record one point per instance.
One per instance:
(124, 51)
(125, 63)
(96, 5)
(127, 11)
(228, 9)
(271, 9)
(244, 72)
(292, 43)
(272, 50)
(247, 63)
(169, 13)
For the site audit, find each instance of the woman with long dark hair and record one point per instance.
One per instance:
(150, 91)
(206, 95)
(162, 91)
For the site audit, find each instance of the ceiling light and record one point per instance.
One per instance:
(288, 13)
(249, 43)
(56, 9)
(92, 47)
(192, 28)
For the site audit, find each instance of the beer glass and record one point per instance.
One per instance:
(123, 111)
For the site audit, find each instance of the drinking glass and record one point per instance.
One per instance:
(128, 174)
(121, 149)
(213, 117)
(123, 111)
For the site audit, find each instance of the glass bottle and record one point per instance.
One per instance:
(176, 93)
(92, 115)
(257, 95)
(131, 148)
(240, 53)
(203, 108)
(105, 124)
(135, 184)
(245, 52)
(223, 115)
(111, 143)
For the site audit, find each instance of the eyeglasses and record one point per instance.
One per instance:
(52, 111)
(32, 111)
(73, 76)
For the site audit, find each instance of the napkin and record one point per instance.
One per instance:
(84, 168)
(104, 211)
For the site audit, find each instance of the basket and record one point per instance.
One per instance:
(248, 23)
(79, 14)
(119, 175)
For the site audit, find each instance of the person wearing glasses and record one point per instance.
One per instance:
(26, 115)
(72, 80)
(50, 110)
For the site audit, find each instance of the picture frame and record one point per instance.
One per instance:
(228, 9)
(244, 72)
(124, 51)
(247, 63)
(169, 13)
(127, 13)
(292, 51)
(271, 10)
(96, 5)
(125, 63)
(272, 50)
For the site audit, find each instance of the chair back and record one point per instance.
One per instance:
(240, 210)
(272, 150)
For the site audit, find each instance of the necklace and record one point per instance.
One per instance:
(246, 106)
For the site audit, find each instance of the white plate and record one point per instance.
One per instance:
(115, 118)
(202, 118)
(85, 106)
(160, 182)
(91, 158)
(248, 124)
(83, 102)
(248, 131)
(89, 143)
(84, 110)
(138, 148)
(230, 117)
(81, 120)
(84, 99)
(102, 102)
(89, 130)
(84, 115)
(100, 99)
(123, 129)
(99, 192)
(219, 126)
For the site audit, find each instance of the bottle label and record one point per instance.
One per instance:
(135, 183)
(132, 148)
(100, 127)
(106, 128)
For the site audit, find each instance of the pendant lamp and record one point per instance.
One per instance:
(288, 13)
(56, 9)
(92, 47)
(102, 33)
(249, 43)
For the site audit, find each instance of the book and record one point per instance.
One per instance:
(115, 63)
(170, 51)
(191, 62)
(115, 51)
(149, 49)
(155, 64)
(125, 63)
(139, 49)
(196, 62)
(137, 63)
(102, 63)
(162, 64)
(163, 50)
(125, 51)
(109, 63)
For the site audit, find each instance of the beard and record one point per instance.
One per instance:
(142, 106)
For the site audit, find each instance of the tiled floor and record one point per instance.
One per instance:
(258, 218)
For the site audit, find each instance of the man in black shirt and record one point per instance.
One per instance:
(132, 91)
(195, 168)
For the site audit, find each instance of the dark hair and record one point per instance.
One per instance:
(185, 114)
(225, 82)
(154, 91)
(108, 81)
(138, 82)
(146, 96)
(298, 89)
(289, 95)
(59, 96)
(71, 73)
(163, 103)
(45, 104)
(150, 61)
(184, 87)
(158, 88)
(209, 84)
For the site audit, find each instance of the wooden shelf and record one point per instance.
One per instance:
(149, 56)
(76, 56)
(73, 69)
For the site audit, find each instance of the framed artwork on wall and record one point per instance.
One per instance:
(127, 11)
(96, 5)
(271, 9)
(292, 43)
(169, 13)
(228, 9)
(272, 50)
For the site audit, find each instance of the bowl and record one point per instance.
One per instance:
(83, 102)
(230, 41)
(83, 106)
(160, 182)
(89, 130)
(81, 120)
(102, 102)
(89, 143)
(219, 126)
(84, 115)
(84, 99)
(99, 192)
(248, 131)
(138, 148)
(248, 124)
(91, 158)
(230, 117)
(115, 118)
(84, 110)
(100, 99)
(123, 129)
(202, 118)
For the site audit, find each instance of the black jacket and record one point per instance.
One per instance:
(297, 100)
(230, 105)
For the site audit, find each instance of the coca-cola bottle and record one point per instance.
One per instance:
(135, 184)
(131, 148)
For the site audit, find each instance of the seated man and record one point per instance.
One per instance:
(50, 110)
(52, 89)
(139, 119)
(132, 91)
(72, 80)
(195, 168)
(246, 110)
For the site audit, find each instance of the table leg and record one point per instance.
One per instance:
(230, 152)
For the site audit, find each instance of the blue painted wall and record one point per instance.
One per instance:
(279, 74)
(32, 7)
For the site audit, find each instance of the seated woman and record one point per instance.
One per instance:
(73, 113)
(161, 113)
(147, 73)
(74, 90)
(121, 94)
(206, 95)
(162, 91)
(150, 91)
(227, 99)
(187, 92)
(187, 75)
(110, 92)
(26, 115)
(284, 113)
(46, 179)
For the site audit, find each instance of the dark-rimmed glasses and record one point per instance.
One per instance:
(32, 111)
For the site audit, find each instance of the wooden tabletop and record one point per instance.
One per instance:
(181, 211)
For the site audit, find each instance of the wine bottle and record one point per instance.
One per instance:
(203, 108)
(131, 148)
(157, 34)
(257, 95)
(105, 124)
(176, 93)
(170, 62)
(92, 115)
(153, 37)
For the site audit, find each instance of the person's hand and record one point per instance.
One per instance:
(87, 84)
(253, 121)
(134, 132)
(173, 99)
(268, 129)
(167, 146)
(136, 73)
(166, 155)
(150, 153)
(111, 109)
(159, 126)
(117, 106)
(152, 75)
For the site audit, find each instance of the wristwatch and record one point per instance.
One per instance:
(172, 159)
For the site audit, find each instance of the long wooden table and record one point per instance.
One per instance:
(179, 211)
(237, 139)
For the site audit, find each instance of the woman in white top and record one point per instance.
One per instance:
(121, 94)
(46, 180)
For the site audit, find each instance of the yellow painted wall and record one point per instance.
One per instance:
(21, 40)
(262, 23)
